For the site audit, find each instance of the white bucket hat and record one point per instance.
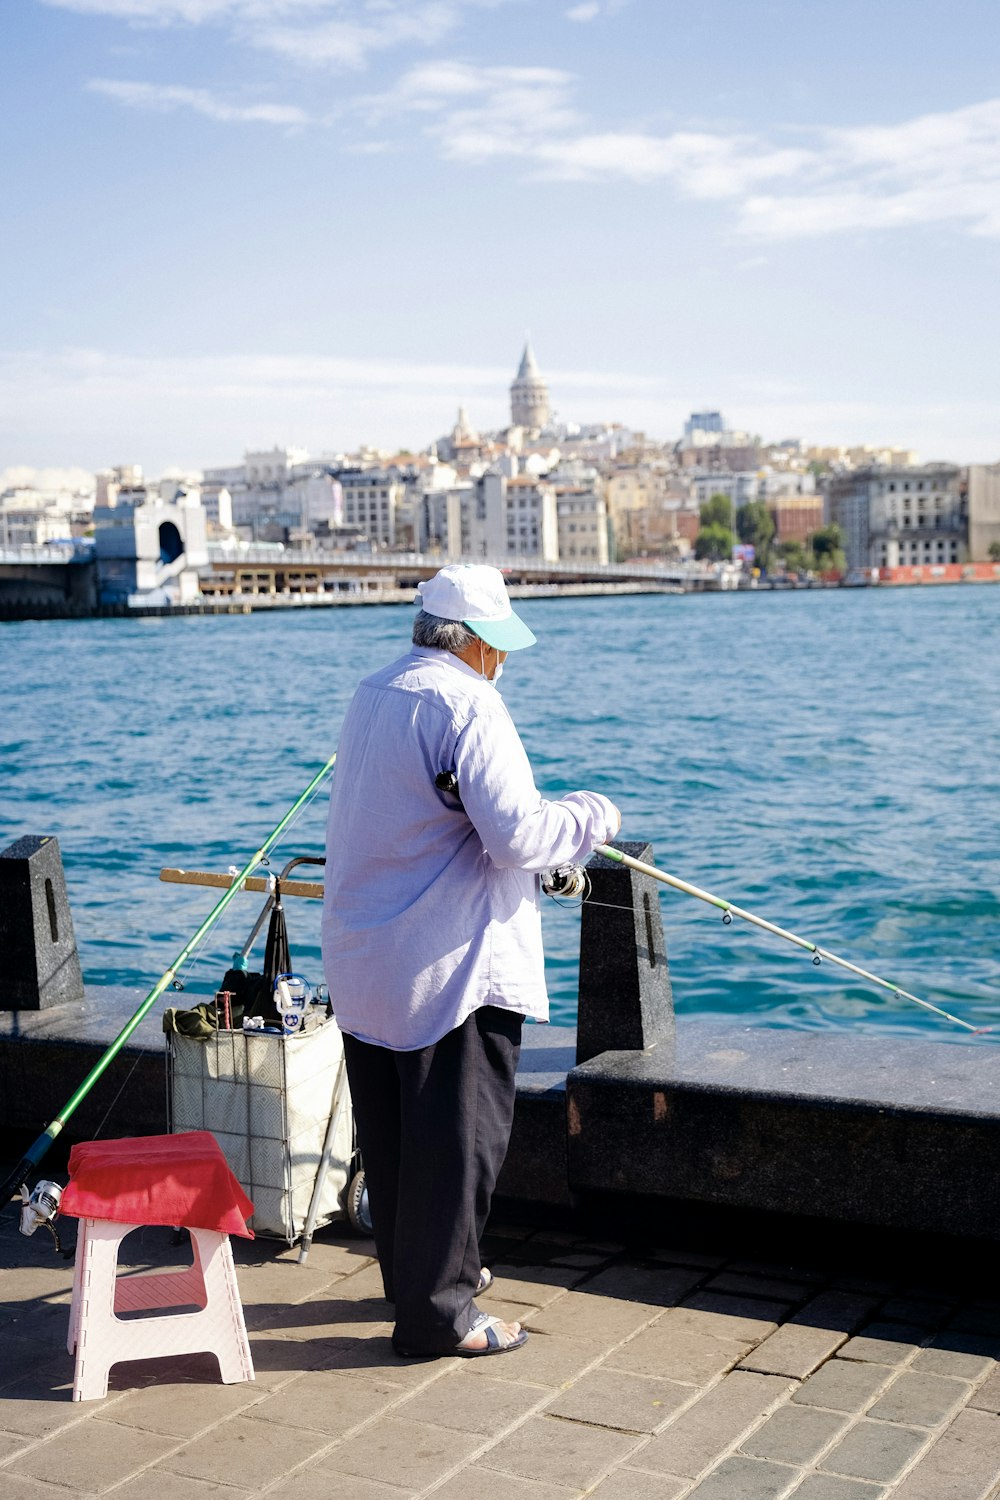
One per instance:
(477, 595)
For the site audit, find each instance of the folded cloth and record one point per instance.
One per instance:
(157, 1179)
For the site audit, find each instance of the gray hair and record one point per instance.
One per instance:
(443, 635)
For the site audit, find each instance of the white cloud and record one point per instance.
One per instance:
(789, 182)
(164, 98)
(783, 181)
(342, 33)
(348, 42)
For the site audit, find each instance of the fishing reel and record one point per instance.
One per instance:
(40, 1206)
(568, 882)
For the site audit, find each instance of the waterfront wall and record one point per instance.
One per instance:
(633, 1109)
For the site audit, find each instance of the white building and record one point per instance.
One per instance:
(582, 525)
(372, 498)
(903, 516)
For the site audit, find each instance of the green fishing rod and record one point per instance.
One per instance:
(37, 1150)
(729, 911)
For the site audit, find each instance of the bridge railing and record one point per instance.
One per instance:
(268, 553)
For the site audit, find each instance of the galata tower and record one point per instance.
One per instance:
(529, 394)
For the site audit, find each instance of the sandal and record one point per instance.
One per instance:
(498, 1340)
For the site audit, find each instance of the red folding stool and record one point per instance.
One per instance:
(118, 1186)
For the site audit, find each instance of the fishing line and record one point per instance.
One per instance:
(555, 885)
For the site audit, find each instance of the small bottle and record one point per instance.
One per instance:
(290, 999)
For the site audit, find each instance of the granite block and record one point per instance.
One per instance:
(964, 1463)
(875, 1450)
(842, 1385)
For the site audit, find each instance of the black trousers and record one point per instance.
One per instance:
(433, 1126)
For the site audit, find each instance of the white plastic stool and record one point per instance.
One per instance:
(100, 1338)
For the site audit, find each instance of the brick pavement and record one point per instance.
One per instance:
(660, 1377)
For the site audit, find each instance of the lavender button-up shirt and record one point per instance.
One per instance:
(432, 904)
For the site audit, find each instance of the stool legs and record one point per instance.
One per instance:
(102, 1339)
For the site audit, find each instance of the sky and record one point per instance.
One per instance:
(230, 224)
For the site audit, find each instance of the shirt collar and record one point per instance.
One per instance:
(434, 653)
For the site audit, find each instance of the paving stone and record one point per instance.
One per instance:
(327, 1315)
(659, 1286)
(281, 1285)
(85, 1458)
(795, 1435)
(829, 1487)
(20, 1487)
(319, 1483)
(415, 1454)
(680, 1257)
(613, 1398)
(338, 1258)
(987, 1398)
(39, 1405)
(676, 1353)
(546, 1359)
(481, 1405)
(580, 1260)
(511, 1286)
(159, 1485)
(884, 1343)
(330, 1401)
(737, 1317)
(967, 1356)
(964, 1463)
(714, 1423)
(746, 1479)
(783, 1270)
(875, 1450)
(244, 1453)
(558, 1452)
(843, 1385)
(631, 1484)
(11, 1444)
(180, 1411)
(475, 1483)
(918, 1311)
(376, 1356)
(758, 1286)
(981, 1320)
(23, 1357)
(793, 1350)
(837, 1311)
(920, 1399)
(585, 1315)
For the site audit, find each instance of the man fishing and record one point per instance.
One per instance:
(432, 944)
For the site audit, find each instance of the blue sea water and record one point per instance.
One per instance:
(827, 759)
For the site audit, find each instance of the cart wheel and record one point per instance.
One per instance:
(358, 1211)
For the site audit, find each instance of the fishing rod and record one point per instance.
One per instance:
(730, 910)
(39, 1147)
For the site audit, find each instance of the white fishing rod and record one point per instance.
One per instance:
(730, 910)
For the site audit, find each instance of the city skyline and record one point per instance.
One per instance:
(325, 223)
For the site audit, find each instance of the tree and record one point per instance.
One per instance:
(717, 511)
(828, 549)
(714, 542)
(715, 539)
(995, 551)
(796, 557)
(755, 525)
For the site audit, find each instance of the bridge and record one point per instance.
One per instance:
(61, 578)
